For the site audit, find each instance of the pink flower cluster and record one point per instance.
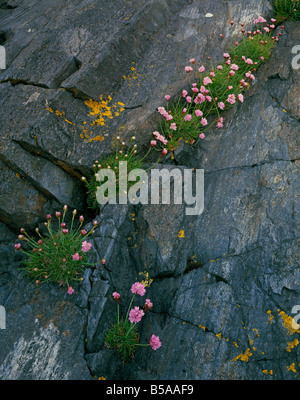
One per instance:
(155, 342)
(138, 288)
(135, 315)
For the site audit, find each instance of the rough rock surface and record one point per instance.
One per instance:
(223, 292)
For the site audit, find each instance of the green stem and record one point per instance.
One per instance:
(129, 307)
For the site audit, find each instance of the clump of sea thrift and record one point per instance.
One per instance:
(123, 335)
(57, 256)
(122, 153)
(214, 90)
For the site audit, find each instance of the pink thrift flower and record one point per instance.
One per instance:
(188, 69)
(81, 218)
(57, 214)
(220, 123)
(65, 231)
(234, 67)
(206, 81)
(48, 217)
(188, 117)
(153, 143)
(221, 105)
(204, 121)
(156, 134)
(273, 19)
(243, 58)
(249, 61)
(219, 67)
(266, 29)
(76, 256)
(135, 315)
(198, 113)
(70, 290)
(231, 98)
(167, 97)
(203, 89)
(83, 232)
(184, 110)
(201, 69)
(256, 21)
(17, 246)
(212, 74)
(230, 87)
(195, 89)
(201, 98)
(138, 288)
(62, 224)
(173, 126)
(226, 55)
(164, 152)
(252, 77)
(262, 58)
(168, 117)
(161, 110)
(261, 19)
(116, 296)
(231, 73)
(148, 304)
(192, 60)
(86, 246)
(240, 98)
(184, 93)
(228, 62)
(155, 343)
(188, 99)
(201, 136)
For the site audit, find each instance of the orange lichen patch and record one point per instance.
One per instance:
(60, 114)
(102, 110)
(244, 356)
(134, 76)
(287, 323)
(201, 326)
(98, 138)
(291, 367)
(265, 371)
(271, 317)
(292, 344)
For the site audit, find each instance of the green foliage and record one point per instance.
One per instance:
(124, 338)
(58, 256)
(287, 10)
(112, 161)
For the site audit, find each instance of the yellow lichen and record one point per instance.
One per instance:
(181, 234)
(271, 317)
(292, 344)
(287, 323)
(265, 371)
(291, 367)
(244, 356)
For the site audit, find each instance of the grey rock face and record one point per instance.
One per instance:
(223, 294)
